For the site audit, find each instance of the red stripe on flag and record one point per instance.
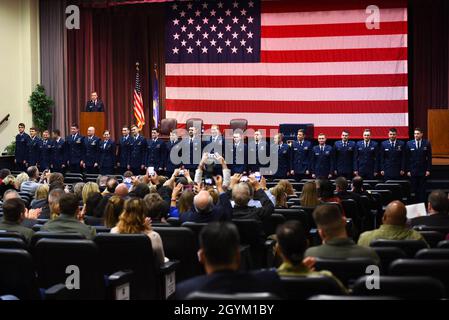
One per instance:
(326, 5)
(331, 30)
(315, 107)
(382, 54)
(341, 81)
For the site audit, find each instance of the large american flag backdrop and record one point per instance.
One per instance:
(275, 62)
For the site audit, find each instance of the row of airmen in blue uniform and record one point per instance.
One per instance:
(390, 159)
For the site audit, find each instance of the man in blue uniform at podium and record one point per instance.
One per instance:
(94, 104)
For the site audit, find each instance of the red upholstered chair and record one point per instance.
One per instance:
(167, 125)
(194, 122)
(239, 124)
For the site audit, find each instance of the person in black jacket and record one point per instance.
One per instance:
(241, 194)
(204, 210)
(437, 208)
(219, 253)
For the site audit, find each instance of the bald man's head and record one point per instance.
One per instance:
(203, 202)
(121, 190)
(395, 214)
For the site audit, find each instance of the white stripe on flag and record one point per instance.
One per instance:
(335, 43)
(330, 17)
(289, 94)
(286, 69)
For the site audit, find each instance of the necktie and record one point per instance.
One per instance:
(366, 145)
(419, 144)
(321, 148)
(300, 144)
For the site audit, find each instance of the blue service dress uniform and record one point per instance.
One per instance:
(124, 153)
(21, 153)
(59, 155)
(194, 149)
(34, 151)
(344, 159)
(419, 160)
(322, 161)
(46, 154)
(239, 155)
(75, 152)
(283, 152)
(138, 154)
(107, 157)
(155, 155)
(300, 158)
(256, 153)
(169, 165)
(366, 159)
(392, 159)
(92, 147)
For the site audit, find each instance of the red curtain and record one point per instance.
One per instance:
(102, 57)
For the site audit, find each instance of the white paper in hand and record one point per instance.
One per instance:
(416, 210)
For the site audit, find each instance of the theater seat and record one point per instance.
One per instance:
(194, 122)
(195, 227)
(346, 270)
(133, 252)
(197, 295)
(251, 233)
(52, 258)
(12, 243)
(180, 244)
(302, 288)
(410, 247)
(443, 244)
(326, 297)
(241, 124)
(53, 235)
(167, 126)
(416, 267)
(432, 237)
(405, 287)
(387, 255)
(435, 253)
(17, 276)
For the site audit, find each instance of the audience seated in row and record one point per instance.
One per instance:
(394, 226)
(437, 209)
(220, 254)
(336, 243)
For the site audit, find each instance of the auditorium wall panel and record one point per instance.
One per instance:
(19, 63)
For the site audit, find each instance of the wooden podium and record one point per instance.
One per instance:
(437, 126)
(93, 119)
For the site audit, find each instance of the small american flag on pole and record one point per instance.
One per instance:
(138, 101)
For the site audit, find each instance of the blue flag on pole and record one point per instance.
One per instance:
(155, 98)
